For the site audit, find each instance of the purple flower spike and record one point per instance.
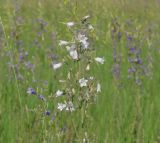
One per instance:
(31, 91)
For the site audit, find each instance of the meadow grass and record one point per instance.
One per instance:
(124, 112)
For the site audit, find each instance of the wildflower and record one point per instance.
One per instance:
(83, 39)
(47, 113)
(31, 91)
(74, 55)
(132, 50)
(90, 27)
(88, 67)
(99, 60)
(29, 65)
(70, 107)
(98, 88)
(59, 93)
(83, 82)
(61, 106)
(70, 24)
(72, 51)
(63, 43)
(41, 97)
(56, 66)
(131, 70)
(86, 17)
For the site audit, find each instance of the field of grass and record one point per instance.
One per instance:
(126, 33)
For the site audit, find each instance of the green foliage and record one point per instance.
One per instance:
(123, 113)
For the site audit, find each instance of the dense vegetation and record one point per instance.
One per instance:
(124, 33)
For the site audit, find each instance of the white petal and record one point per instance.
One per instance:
(90, 27)
(99, 60)
(98, 88)
(59, 93)
(83, 82)
(56, 66)
(63, 43)
(61, 106)
(70, 24)
(74, 55)
(88, 67)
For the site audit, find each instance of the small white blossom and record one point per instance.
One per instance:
(56, 66)
(72, 51)
(99, 60)
(85, 44)
(91, 77)
(63, 43)
(88, 67)
(83, 39)
(61, 106)
(74, 54)
(83, 82)
(86, 17)
(90, 27)
(70, 24)
(98, 88)
(59, 93)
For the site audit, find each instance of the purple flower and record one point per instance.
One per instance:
(131, 70)
(138, 60)
(21, 57)
(31, 91)
(41, 97)
(47, 113)
(29, 65)
(132, 49)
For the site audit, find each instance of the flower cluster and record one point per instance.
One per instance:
(78, 87)
(80, 52)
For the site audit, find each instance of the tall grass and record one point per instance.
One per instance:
(123, 112)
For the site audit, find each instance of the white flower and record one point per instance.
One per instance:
(72, 52)
(70, 24)
(71, 48)
(98, 88)
(86, 17)
(83, 82)
(56, 66)
(83, 39)
(88, 67)
(91, 77)
(99, 60)
(74, 55)
(59, 93)
(61, 106)
(70, 107)
(90, 27)
(63, 43)
(85, 44)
